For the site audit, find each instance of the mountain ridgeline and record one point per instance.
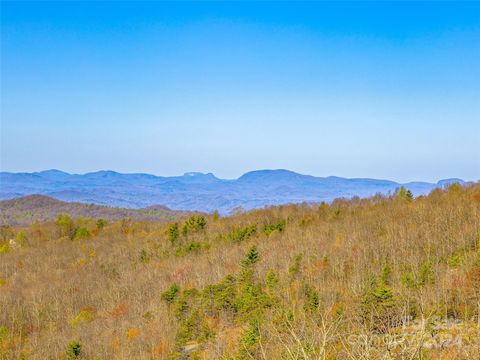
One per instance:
(197, 191)
(39, 208)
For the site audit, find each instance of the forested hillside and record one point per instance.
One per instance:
(382, 278)
(38, 208)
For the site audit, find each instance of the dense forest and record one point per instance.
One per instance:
(389, 277)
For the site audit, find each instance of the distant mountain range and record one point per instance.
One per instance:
(198, 191)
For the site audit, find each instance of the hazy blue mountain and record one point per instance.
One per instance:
(446, 182)
(197, 191)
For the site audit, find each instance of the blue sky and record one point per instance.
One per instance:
(384, 90)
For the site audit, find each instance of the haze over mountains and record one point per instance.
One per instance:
(197, 191)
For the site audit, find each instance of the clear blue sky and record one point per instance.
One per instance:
(385, 90)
